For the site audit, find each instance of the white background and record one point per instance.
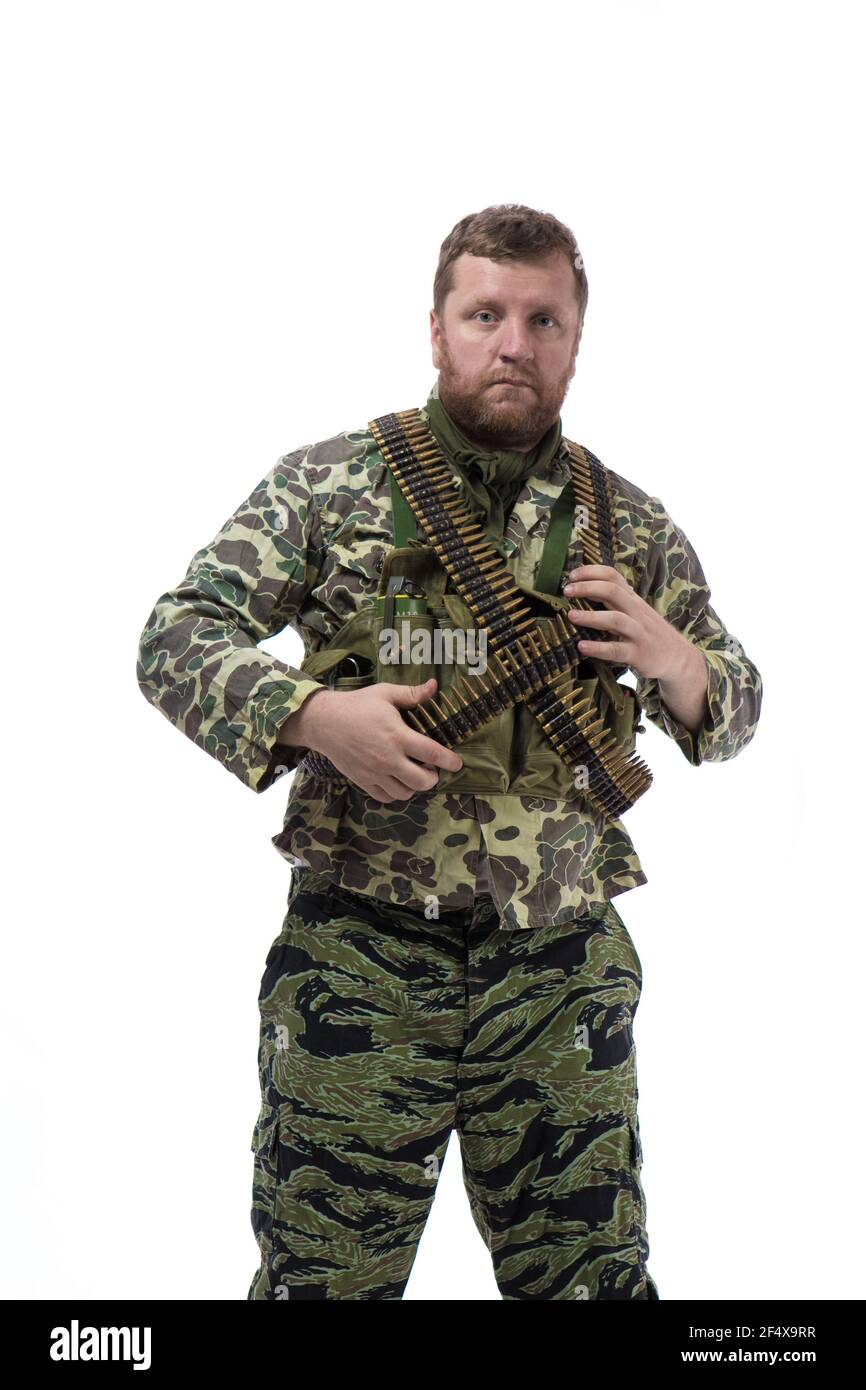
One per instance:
(222, 224)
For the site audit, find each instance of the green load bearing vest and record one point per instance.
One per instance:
(510, 754)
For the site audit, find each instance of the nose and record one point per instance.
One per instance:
(514, 341)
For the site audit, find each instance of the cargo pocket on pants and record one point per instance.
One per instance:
(639, 1202)
(264, 1144)
(631, 950)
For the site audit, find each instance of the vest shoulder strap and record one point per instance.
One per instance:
(550, 567)
(599, 539)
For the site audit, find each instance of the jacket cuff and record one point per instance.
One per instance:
(697, 745)
(269, 707)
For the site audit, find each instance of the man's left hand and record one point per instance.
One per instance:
(645, 642)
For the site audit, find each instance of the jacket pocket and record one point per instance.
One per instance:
(483, 772)
(484, 752)
(621, 719)
(538, 769)
(352, 642)
(404, 653)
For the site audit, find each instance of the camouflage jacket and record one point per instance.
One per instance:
(302, 550)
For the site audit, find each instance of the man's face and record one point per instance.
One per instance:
(507, 320)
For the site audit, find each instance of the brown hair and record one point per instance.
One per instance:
(508, 231)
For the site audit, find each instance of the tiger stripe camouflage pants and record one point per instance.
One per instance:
(381, 1031)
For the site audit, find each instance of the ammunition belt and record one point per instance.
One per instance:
(526, 665)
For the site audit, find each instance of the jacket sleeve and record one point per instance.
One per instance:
(198, 658)
(674, 583)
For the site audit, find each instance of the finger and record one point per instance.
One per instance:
(392, 791)
(413, 776)
(597, 572)
(397, 790)
(626, 628)
(615, 595)
(406, 695)
(609, 651)
(429, 752)
(609, 621)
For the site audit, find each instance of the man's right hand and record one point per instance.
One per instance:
(365, 737)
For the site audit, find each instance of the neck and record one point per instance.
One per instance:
(501, 447)
(488, 445)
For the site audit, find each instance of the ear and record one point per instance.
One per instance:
(434, 338)
(576, 349)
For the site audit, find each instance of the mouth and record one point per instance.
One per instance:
(525, 384)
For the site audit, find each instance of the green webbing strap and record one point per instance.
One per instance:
(405, 524)
(548, 575)
(552, 563)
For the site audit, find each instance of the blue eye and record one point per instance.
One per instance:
(488, 312)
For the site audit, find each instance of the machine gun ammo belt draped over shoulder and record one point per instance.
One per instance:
(525, 663)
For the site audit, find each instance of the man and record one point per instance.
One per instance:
(450, 956)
